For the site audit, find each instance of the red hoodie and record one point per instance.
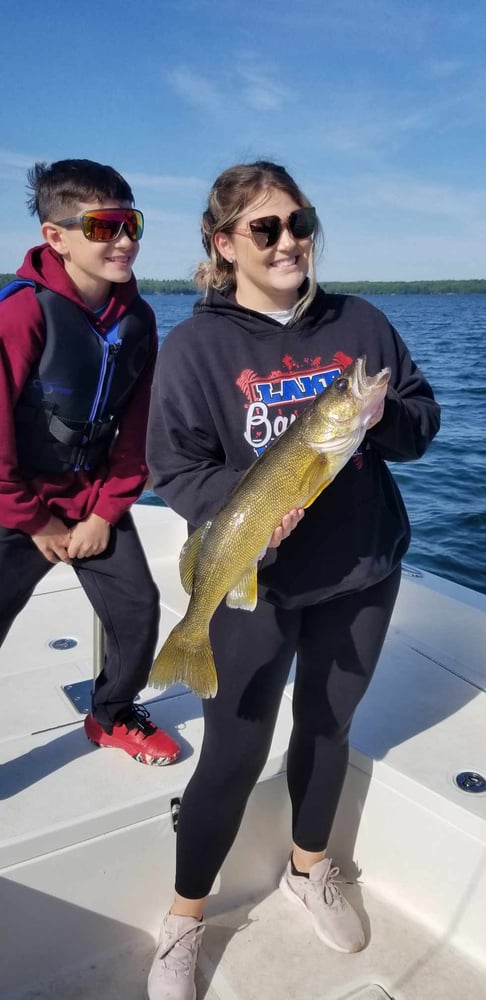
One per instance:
(110, 492)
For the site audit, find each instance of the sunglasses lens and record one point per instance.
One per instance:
(106, 224)
(100, 230)
(134, 224)
(266, 231)
(302, 223)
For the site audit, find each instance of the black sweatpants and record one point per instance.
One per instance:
(338, 644)
(119, 585)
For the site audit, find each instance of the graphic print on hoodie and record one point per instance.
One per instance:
(276, 400)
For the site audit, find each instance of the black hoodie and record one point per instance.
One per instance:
(227, 382)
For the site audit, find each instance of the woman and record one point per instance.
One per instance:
(263, 340)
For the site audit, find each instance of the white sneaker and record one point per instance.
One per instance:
(335, 921)
(172, 976)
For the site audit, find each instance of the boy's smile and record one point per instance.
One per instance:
(93, 266)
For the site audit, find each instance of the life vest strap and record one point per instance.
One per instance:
(76, 432)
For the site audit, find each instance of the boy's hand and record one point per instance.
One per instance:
(289, 522)
(89, 537)
(53, 541)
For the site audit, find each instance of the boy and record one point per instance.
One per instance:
(77, 352)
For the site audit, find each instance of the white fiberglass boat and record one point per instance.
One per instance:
(87, 841)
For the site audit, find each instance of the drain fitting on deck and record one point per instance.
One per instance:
(66, 642)
(470, 781)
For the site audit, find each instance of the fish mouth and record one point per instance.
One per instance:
(369, 392)
(364, 386)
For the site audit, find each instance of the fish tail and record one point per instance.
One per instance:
(186, 660)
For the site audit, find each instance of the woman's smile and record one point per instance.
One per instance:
(267, 279)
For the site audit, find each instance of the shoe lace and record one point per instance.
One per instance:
(178, 954)
(331, 889)
(139, 718)
(329, 885)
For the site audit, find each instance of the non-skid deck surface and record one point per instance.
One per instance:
(261, 951)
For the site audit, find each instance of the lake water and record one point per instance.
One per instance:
(445, 492)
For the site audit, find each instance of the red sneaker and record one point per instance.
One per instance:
(137, 736)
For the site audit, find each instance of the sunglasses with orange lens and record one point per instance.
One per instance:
(102, 225)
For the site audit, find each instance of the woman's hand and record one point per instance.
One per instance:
(289, 522)
(377, 416)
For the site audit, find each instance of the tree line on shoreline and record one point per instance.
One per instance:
(179, 286)
(152, 286)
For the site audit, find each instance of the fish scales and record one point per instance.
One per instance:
(246, 523)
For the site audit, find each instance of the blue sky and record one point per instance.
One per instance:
(377, 107)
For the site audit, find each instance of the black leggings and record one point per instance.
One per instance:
(338, 644)
(119, 585)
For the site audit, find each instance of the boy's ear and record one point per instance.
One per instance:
(54, 236)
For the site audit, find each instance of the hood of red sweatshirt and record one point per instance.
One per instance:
(45, 267)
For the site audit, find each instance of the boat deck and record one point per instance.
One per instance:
(87, 845)
(247, 951)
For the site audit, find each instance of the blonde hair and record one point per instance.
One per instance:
(230, 195)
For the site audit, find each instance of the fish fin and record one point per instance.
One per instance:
(315, 482)
(189, 554)
(182, 660)
(244, 594)
(317, 493)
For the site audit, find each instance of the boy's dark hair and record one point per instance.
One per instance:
(58, 188)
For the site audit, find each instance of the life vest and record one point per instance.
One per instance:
(68, 413)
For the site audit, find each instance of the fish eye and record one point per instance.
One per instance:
(341, 384)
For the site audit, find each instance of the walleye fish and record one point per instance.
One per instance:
(220, 559)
